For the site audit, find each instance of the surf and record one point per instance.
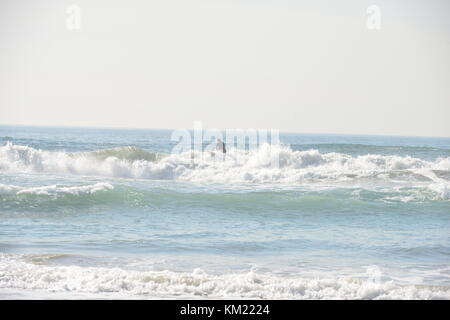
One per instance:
(21, 273)
(239, 166)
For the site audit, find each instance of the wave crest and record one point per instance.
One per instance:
(239, 166)
(56, 189)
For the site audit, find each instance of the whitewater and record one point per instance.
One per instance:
(239, 166)
(110, 213)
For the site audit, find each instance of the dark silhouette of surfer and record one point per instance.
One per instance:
(220, 146)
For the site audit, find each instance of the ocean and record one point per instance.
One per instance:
(95, 213)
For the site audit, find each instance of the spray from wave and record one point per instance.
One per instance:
(238, 166)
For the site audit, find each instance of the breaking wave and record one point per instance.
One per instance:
(22, 275)
(56, 189)
(269, 164)
(125, 153)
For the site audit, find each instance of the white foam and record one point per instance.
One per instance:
(17, 275)
(443, 189)
(239, 166)
(57, 189)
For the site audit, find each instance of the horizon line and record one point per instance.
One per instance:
(191, 129)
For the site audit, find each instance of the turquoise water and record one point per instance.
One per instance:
(106, 212)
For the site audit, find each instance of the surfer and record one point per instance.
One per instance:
(220, 146)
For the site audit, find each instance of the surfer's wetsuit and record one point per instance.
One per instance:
(221, 146)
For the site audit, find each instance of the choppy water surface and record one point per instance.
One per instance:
(112, 213)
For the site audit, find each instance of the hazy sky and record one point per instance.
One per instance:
(300, 66)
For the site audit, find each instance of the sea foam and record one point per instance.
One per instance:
(57, 189)
(20, 275)
(238, 166)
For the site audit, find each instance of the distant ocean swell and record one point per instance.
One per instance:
(239, 166)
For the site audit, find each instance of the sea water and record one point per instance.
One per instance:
(112, 213)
